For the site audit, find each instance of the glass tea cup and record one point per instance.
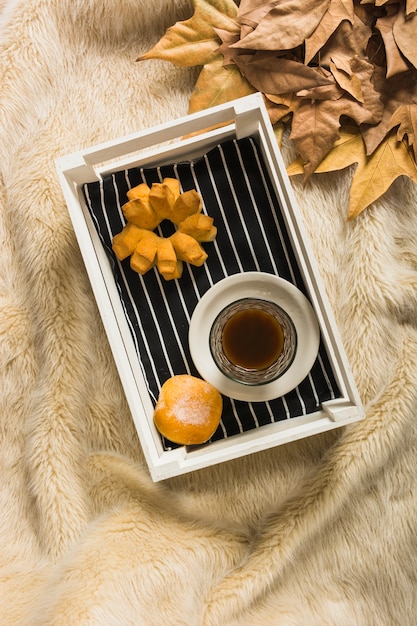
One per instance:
(253, 341)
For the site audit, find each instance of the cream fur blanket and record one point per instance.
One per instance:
(315, 533)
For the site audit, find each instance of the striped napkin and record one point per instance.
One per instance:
(251, 236)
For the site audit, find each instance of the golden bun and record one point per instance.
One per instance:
(188, 410)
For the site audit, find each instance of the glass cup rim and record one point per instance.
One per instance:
(273, 371)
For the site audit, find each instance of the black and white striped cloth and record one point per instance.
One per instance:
(237, 192)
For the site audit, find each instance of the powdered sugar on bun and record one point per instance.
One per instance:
(188, 410)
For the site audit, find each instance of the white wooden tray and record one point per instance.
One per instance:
(181, 142)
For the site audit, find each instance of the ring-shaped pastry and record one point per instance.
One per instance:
(146, 208)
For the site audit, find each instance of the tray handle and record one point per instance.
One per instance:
(87, 165)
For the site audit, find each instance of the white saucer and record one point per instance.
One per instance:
(266, 287)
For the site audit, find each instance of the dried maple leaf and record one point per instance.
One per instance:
(217, 84)
(395, 93)
(346, 78)
(315, 134)
(195, 41)
(376, 173)
(348, 39)
(316, 122)
(404, 31)
(280, 107)
(277, 75)
(324, 92)
(318, 63)
(286, 25)
(395, 61)
(410, 7)
(405, 118)
(228, 39)
(368, 97)
(251, 12)
(344, 153)
(337, 12)
(373, 175)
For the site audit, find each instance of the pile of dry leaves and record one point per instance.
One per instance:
(340, 73)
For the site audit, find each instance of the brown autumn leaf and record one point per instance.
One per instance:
(324, 92)
(316, 123)
(376, 173)
(368, 12)
(347, 149)
(404, 31)
(280, 107)
(378, 3)
(194, 41)
(314, 135)
(228, 39)
(373, 175)
(362, 71)
(395, 61)
(319, 64)
(410, 7)
(395, 92)
(341, 69)
(286, 25)
(337, 12)
(405, 120)
(251, 13)
(218, 84)
(277, 75)
(348, 39)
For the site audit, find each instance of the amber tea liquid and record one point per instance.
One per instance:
(252, 339)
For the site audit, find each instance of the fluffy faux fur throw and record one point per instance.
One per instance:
(321, 532)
